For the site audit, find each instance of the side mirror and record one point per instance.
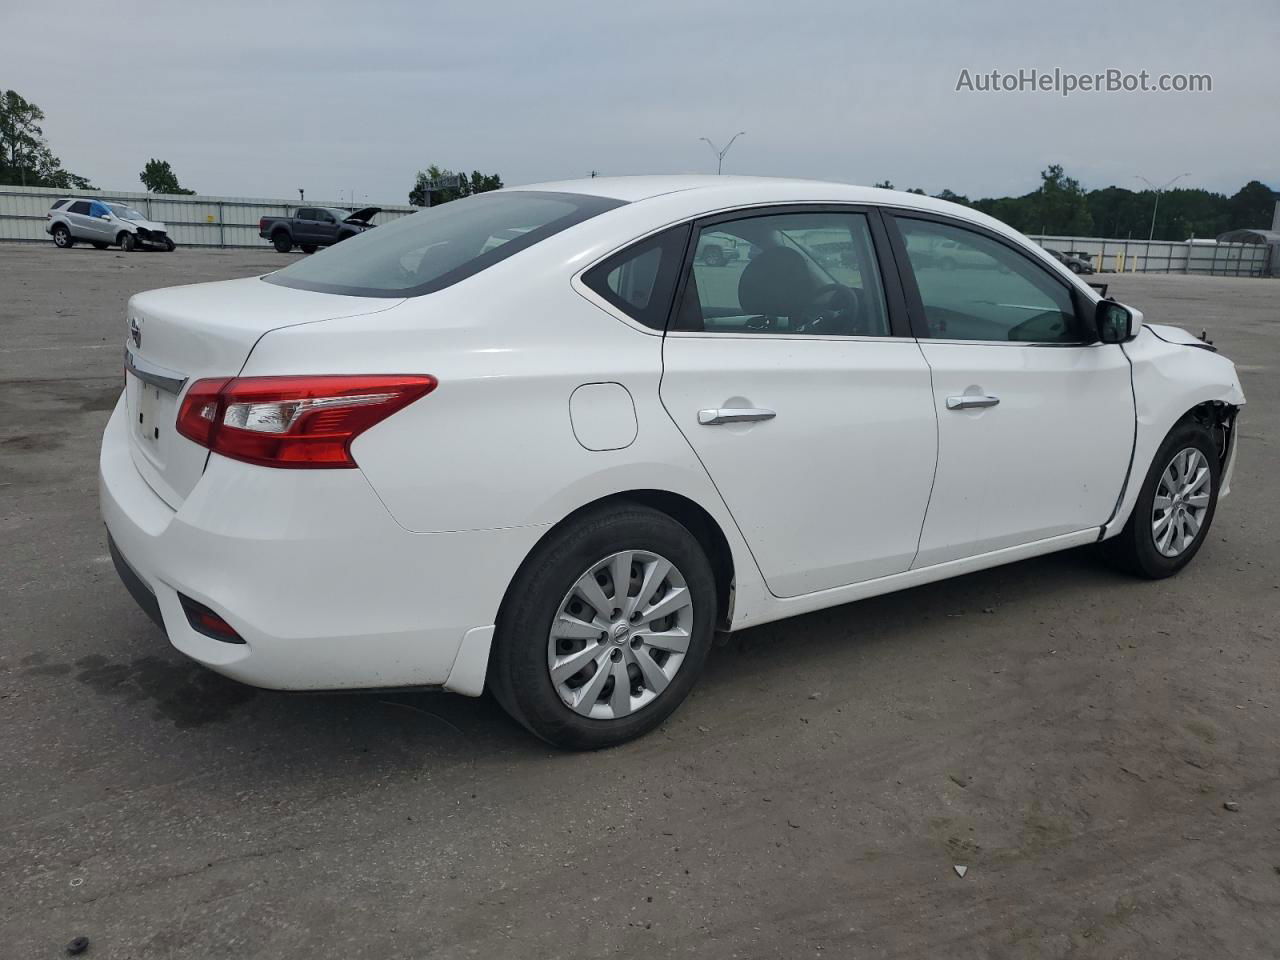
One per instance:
(1117, 323)
(104, 216)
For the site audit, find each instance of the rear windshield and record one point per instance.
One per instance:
(438, 246)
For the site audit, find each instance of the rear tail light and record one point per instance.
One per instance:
(293, 421)
(262, 224)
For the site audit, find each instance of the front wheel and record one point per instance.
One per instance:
(169, 245)
(127, 242)
(1175, 507)
(605, 628)
(1073, 267)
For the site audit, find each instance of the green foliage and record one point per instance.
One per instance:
(158, 177)
(884, 185)
(477, 183)
(1061, 207)
(25, 158)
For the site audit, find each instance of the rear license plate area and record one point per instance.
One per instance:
(153, 416)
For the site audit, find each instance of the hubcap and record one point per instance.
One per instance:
(620, 635)
(1181, 502)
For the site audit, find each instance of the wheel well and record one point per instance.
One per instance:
(694, 518)
(121, 235)
(1219, 418)
(281, 231)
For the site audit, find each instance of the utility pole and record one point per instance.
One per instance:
(1159, 190)
(719, 152)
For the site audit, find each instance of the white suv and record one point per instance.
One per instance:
(104, 225)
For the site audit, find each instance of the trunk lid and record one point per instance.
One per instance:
(178, 335)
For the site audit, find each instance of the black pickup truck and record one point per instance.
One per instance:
(312, 227)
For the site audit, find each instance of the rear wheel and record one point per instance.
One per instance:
(1175, 508)
(713, 256)
(126, 241)
(605, 628)
(308, 248)
(1073, 267)
(62, 237)
(281, 242)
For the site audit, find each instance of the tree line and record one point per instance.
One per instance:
(1061, 207)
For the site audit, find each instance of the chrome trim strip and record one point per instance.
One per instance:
(154, 374)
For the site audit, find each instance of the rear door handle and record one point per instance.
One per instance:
(709, 418)
(969, 402)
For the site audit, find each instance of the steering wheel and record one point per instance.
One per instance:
(833, 308)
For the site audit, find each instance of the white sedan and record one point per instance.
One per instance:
(532, 440)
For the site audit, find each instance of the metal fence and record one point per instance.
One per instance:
(192, 221)
(1207, 257)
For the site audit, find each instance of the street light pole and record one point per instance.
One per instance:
(720, 153)
(1158, 190)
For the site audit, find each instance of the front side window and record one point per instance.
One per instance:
(126, 213)
(438, 246)
(641, 280)
(813, 274)
(975, 288)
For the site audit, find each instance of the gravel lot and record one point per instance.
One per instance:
(1069, 735)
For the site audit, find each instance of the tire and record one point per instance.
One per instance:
(1073, 267)
(308, 248)
(127, 242)
(1136, 549)
(99, 245)
(62, 238)
(282, 242)
(545, 588)
(713, 256)
(169, 245)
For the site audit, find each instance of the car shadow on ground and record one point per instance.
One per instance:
(335, 736)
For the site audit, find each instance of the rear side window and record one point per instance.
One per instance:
(641, 280)
(80, 206)
(59, 205)
(438, 246)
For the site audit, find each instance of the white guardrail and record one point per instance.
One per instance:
(1169, 256)
(192, 220)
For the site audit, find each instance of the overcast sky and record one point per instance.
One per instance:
(258, 99)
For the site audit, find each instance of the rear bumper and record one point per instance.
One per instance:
(326, 589)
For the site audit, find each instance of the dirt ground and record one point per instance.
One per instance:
(1067, 734)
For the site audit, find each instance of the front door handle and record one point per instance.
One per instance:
(709, 418)
(970, 401)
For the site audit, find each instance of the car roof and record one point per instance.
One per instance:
(713, 192)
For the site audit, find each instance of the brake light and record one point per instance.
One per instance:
(293, 421)
(262, 224)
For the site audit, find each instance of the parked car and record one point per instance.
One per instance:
(717, 250)
(554, 466)
(313, 227)
(1073, 261)
(104, 224)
